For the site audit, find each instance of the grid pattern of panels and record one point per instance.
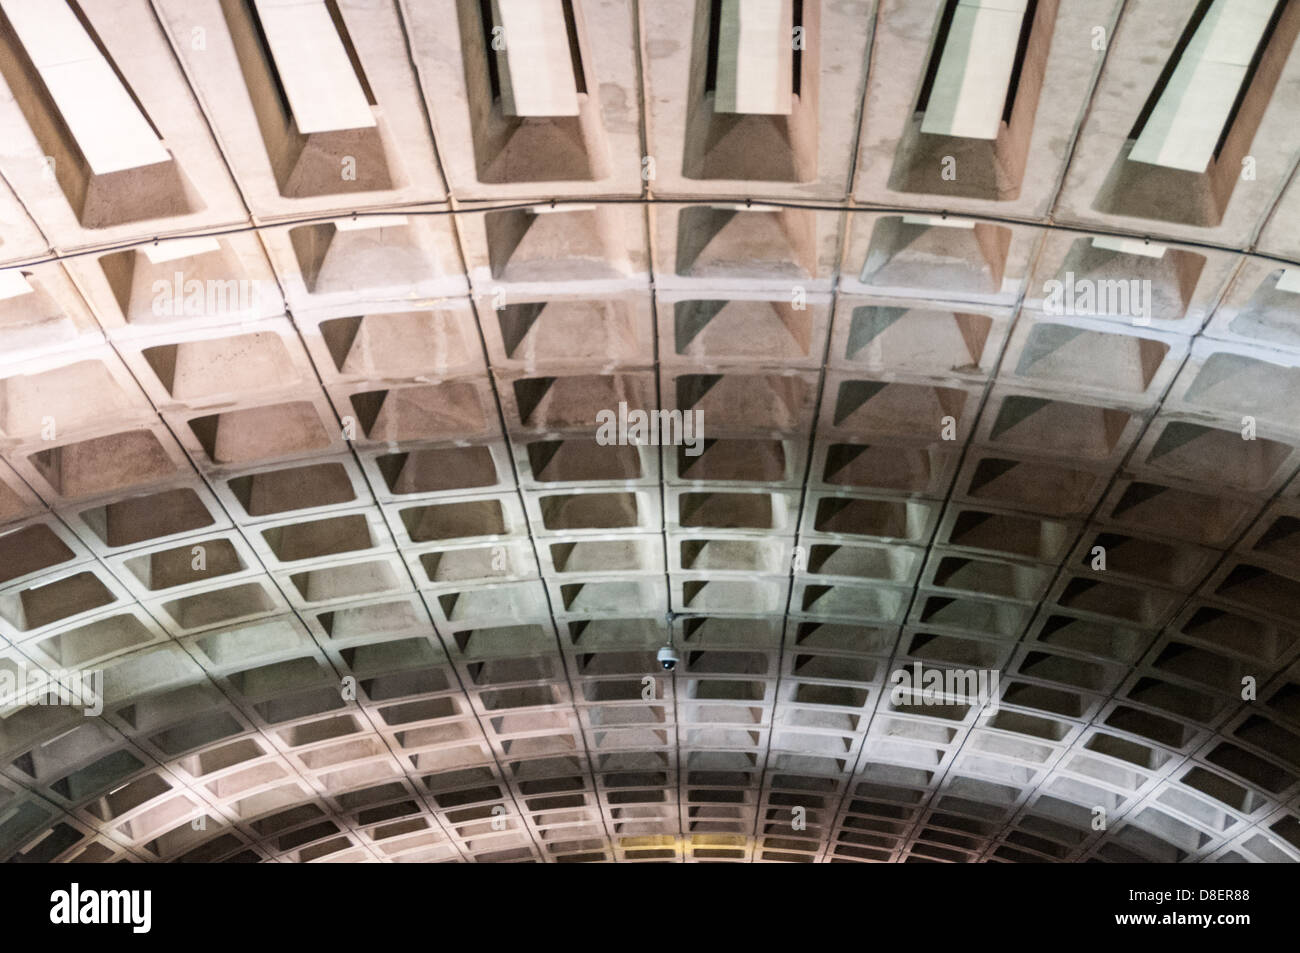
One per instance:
(300, 455)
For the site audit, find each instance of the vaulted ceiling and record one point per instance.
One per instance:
(989, 312)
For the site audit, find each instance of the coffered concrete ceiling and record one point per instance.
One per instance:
(309, 312)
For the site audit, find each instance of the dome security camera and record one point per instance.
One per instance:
(668, 658)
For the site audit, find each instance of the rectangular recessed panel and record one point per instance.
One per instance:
(14, 284)
(942, 221)
(1289, 281)
(324, 92)
(755, 52)
(101, 113)
(975, 67)
(536, 64)
(1183, 129)
(160, 252)
(370, 222)
(1129, 246)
